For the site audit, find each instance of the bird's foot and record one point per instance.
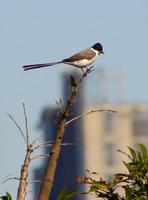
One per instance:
(89, 69)
(83, 72)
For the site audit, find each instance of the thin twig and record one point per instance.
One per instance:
(26, 125)
(38, 138)
(68, 144)
(42, 146)
(11, 178)
(8, 176)
(92, 111)
(34, 181)
(40, 156)
(45, 144)
(18, 126)
(124, 153)
(50, 144)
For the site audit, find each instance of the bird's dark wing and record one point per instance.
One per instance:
(85, 54)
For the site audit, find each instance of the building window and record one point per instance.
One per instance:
(140, 123)
(109, 158)
(108, 122)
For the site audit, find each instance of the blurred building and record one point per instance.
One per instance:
(106, 132)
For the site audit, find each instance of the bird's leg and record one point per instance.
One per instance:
(88, 69)
(83, 71)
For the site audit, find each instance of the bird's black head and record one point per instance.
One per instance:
(98, 47)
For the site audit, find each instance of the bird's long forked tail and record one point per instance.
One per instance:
(36, 66)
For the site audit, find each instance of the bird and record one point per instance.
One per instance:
(82, 59)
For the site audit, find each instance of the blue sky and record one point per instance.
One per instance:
(41, 31)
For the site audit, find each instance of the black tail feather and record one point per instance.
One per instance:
(36, 66)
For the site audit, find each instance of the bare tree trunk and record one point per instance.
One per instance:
(52, 162)
(49, 174)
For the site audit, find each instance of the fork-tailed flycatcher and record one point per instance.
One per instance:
(80, 60)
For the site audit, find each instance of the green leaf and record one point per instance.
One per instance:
(128, 193)
(133, 153)
(6, 197)
(101, 185)
(140, 158)
(64, 195)
(103, 195)
(143, 151)
(9, 196)
(128, 166)
(140, 198)
(114, 197)
(71, 194)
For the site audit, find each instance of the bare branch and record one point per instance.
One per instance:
(10, 178)
(45, 144)
(37, 139)
(18, 126)
(40, 156)
(60, 105)
(90, 112)
(50, 144)
(26, 125)
(49, 174)
(68, 144)
(42, 146)
(23, 182)
(34, 181)
(124, 153)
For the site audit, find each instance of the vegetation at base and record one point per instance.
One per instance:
(133, 184)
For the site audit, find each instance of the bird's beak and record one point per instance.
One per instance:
(102, 52)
